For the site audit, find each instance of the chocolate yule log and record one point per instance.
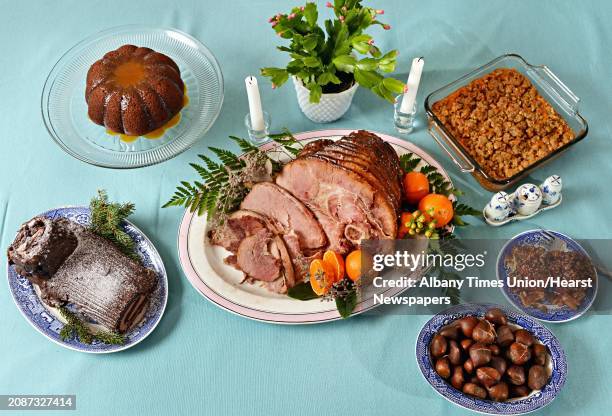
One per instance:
(70, 264)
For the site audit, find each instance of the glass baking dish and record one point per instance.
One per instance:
(563, 100)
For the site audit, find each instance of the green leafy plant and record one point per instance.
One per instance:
(326, 59)
(106, 220)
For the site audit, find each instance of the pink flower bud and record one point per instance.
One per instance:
(405, 89)
(387, 27)
(273, 86)
(341, 18)
(270, 20)
(302, 8)
(274, 23)
(379, 11)
(328, 4)
(291, 16)
(371, 42)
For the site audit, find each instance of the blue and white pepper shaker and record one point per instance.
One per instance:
(499, 207)
(551, 189)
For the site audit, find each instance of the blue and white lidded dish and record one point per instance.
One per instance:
(528, 199)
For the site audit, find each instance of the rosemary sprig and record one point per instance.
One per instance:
(106, 220)
(74, 327)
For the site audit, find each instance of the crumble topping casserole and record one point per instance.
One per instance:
(503, 122)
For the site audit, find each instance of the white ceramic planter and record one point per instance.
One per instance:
(331, 106)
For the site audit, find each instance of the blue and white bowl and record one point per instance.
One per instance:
(554, 314)
(46, 320)
(536, 400)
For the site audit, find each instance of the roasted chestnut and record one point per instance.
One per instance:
(516, 375)
(539, 352)
(505, 336)
(450, 331)
(519, 353)
(524, 337)
(537, 377)
(496, 316)
(484, 332)
(488, 376)
(499, 364)
(499, 392)
(495, 350)
(519, 391)
(443, 367)
(466, 343)
(480, 354)
(457, 378)
(474, 390)
(468, 366)
(467, 325)
(454, 353)
(438, 346)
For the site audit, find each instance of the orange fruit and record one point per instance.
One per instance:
(404, 227)
(416, 186)
(437, 207)
(352, 263)
(322, 276)
(336, 261)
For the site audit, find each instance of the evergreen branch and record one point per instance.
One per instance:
(107, 219)
(76, 328)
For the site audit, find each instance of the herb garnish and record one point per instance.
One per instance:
(75, 327)
(224, 185)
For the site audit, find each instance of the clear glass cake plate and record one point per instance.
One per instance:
(64, 109)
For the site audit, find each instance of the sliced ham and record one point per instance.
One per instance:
(291, 215)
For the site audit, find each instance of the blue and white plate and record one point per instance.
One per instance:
(557, 365)
(553, 314)
(47, 320)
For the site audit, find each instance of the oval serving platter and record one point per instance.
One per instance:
(48, 321)
(221, 284)
(538, 399)
(554, 314)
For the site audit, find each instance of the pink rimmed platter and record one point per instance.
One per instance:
(221, 284)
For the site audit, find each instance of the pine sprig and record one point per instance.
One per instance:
(75, 328)
(106, 221)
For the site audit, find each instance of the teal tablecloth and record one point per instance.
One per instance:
(202, 360)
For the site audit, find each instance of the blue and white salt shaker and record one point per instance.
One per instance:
(551, 189)
(499, 206)
(528, 198)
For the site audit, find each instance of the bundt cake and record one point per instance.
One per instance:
(133, 90)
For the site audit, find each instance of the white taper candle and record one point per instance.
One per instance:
(255, 110)
(412, 85)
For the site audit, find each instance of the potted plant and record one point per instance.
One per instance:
(326, 66)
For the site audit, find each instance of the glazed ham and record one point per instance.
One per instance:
(332, 196)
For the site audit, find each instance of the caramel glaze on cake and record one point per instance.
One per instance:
(133, 90)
